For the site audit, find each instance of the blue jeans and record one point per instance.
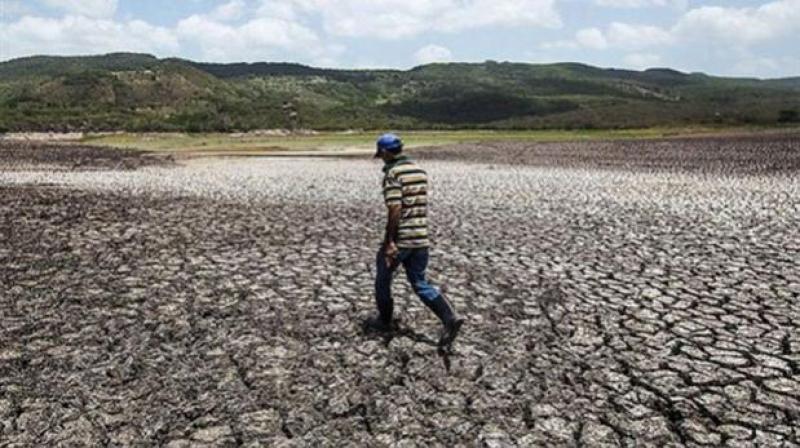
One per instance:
(415, 261)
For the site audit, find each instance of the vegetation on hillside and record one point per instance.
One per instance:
(136, 92)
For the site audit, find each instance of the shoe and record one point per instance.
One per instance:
(375, 324)
(450, 332)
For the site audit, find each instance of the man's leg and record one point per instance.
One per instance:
(383, 288)
(416, 264)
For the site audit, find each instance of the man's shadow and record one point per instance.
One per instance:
(402, 331)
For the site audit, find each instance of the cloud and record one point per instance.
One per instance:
(713, 24)
(641, 61)
(216, 35)
(290, 9)
(397, 19)
(616, 36)
(591, 38)
(564, 44)
(629, 36)
(255, 40)
(74, 35)
(747, 62)
(88, 8)
(433, 53)
(500, 13)
(737, 38)
(755, 66)
(13, 8)
(742, 26)
(269, 26)
(232, 10)
(680, 4)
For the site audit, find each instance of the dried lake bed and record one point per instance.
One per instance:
(637, 293)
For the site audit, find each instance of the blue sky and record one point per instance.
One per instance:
(733, 37)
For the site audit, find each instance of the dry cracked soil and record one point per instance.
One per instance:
(616, 294)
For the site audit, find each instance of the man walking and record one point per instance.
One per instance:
(405, 187)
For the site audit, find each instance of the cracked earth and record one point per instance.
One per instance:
(616, 294)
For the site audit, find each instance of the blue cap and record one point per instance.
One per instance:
(390, 143)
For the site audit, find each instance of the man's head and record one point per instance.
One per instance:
(388, 146)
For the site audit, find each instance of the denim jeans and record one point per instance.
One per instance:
(415, 261)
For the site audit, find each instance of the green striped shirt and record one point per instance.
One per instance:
(406, 184)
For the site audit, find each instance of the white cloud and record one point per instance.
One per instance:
(88, 8)
(747, 62)
(13, 8)
(591, 38)
(563, 44)
(641, 3)
(743, 26)
(218, 35)
(292, 9)
(731, 37)
(233, 10)
(629, 36)
(641, 61)
(755, 66)
(502, 13)
(617, 35)
(744, 39)
(396, 19)
(433, 53)
(256, 40)
(73, 35)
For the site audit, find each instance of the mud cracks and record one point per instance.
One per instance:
(219, 303)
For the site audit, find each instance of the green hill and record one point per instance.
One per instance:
(141, 92)
(43, 66)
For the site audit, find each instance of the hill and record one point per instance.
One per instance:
(140, 92)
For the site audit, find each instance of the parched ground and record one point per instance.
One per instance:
(21, 155)
(617, 294)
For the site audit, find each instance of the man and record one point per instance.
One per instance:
(405, 187)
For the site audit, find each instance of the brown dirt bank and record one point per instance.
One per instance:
(25, 155)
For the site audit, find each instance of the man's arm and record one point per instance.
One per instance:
(390, 249)
(393, 195)
(392, 224)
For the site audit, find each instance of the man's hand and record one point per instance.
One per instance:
(390, 252)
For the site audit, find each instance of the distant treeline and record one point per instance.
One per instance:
(136, 92)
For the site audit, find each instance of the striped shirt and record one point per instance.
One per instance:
(406, 184)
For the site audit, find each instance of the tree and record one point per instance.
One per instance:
(788, 116)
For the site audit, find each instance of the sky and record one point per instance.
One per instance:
(753, 38)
